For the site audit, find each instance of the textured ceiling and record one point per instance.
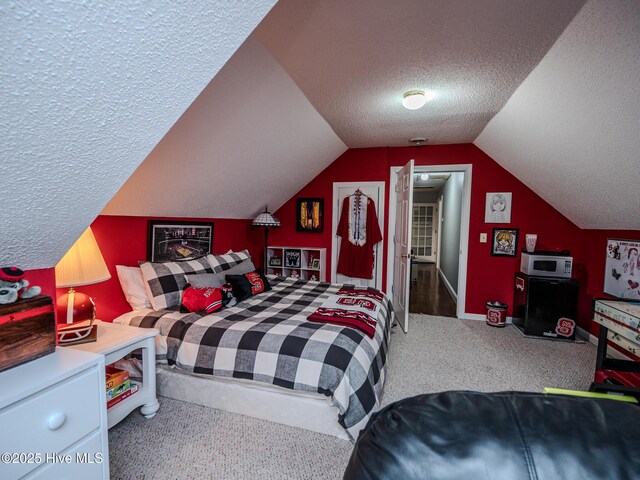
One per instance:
(87, 90)
(572, 129)
(355, 59)
(251, 138)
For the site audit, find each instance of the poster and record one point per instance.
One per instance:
(622, 270)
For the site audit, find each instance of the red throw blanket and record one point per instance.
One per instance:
(355, 308)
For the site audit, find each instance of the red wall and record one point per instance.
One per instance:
(488, 277)
(123, 241)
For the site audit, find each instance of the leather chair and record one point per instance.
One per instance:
(499, 436)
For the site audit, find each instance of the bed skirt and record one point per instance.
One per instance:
(267, 402)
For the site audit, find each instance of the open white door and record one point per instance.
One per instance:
(402, 245)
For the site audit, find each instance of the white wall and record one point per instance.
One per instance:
(450, 229)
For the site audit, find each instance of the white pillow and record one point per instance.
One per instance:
(133, 284)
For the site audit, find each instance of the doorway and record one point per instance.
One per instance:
(439, 276)
(429, 291)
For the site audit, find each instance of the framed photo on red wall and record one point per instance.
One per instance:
(310, 215)
(504, 242)
(169, 241)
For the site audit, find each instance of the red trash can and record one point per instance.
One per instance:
(496, 314)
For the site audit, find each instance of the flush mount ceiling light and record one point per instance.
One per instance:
(418, 141)
(424, 176)
(414, 99)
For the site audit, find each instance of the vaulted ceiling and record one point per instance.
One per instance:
(549, 89)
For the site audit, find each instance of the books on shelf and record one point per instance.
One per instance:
(115, 377)
(118, 386)
(126, 394)
(118, 389)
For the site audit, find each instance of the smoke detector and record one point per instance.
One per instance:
(418, 141)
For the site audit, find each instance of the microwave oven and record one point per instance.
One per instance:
(541, 265)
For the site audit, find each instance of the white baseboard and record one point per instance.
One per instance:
(448, 286)
(481, 318)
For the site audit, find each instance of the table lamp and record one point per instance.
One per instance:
(267, 220)
(81, 265)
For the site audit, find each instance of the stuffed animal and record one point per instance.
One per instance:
(13, 285)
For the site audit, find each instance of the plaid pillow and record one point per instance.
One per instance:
(220, 263)
(166, 280)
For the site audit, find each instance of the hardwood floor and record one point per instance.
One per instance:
(428, 293)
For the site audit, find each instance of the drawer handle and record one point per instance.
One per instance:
(56, 421)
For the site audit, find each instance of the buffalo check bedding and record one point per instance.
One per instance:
(268, 338)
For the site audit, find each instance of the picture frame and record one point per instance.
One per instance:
(176, 241)
(504, 242)
(275, 262)
(622, 269)
(498, 207)
(315, 264)
(310, 215)
(292, 258)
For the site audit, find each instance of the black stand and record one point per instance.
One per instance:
(266, 244)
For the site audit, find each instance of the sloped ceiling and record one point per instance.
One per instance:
(354, 60)
(88, 89)
(250, 139)
(571, 131)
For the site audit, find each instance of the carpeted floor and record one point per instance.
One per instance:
(185, 441)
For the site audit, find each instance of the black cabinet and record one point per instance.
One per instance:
(545, 307)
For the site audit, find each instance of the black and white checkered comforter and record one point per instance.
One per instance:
(267, 338)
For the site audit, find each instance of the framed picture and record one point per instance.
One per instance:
(504, 242)
(292, 258)
(178, 241)
(275, 262)
(498, 207)
(310, 215)
(622, 269)
(315, 264)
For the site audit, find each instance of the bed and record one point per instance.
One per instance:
(263, 358)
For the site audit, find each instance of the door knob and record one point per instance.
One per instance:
(405, 255)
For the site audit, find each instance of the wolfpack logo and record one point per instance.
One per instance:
(357, 302)
(257, 285)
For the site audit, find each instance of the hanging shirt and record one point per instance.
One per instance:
(360, 231)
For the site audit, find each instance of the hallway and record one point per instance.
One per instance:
(428, 294)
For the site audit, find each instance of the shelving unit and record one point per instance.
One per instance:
(422, 231)
(305, 270)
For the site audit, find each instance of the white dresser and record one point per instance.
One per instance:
(53, 419)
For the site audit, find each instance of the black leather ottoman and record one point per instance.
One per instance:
(499, 436)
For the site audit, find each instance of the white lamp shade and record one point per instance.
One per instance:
(83, 264)
(266, 219)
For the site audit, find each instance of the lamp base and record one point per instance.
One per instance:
(75, 307)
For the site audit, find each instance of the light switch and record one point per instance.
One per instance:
(483, 238)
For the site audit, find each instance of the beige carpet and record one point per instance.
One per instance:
(185, 441)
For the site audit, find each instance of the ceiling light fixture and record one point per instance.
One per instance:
(418, 141)
(424, 176)
(414, 99)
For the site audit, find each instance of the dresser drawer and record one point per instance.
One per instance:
(86, 463)
(51, 420)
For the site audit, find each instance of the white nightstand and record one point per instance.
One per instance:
(53, 421)
(114, 342)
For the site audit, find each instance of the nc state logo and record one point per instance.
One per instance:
(257, 285)
(355, 301)
(520, 284)
(565, 327)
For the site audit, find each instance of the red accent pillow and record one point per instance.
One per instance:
(207, 299)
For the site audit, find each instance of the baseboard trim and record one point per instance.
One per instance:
(481, 318)
(448, 286)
